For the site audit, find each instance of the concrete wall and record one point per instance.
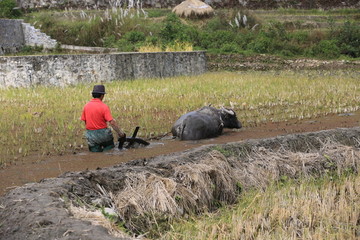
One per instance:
(11, 36)
(14, 34)
(62, 70)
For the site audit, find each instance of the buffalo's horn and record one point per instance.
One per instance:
(231, 112)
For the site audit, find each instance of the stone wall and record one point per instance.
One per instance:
(34, 37)
(62, 70)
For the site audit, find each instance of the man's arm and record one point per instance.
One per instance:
(114, 125)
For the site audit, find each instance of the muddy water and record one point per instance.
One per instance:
(34, 168)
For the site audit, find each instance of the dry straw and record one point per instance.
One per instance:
(217, 176)
(192, 188)
(96, 217)
(193, 8)
(201, 180)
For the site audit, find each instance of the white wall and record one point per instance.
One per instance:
(62, 70)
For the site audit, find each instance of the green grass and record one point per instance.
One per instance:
(307, 209)
(265, 32)
(157, 12)
(91, 27)
(45, 120)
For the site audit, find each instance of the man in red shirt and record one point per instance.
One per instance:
(97, 116)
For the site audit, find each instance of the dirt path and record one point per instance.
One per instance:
(35, 168)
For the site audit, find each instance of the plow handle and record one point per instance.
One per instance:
(135, 132)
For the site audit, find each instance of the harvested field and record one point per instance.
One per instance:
(146, 192)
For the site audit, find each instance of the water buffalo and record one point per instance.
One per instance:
(206, 122)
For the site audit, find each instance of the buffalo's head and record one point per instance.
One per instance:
(228, 116)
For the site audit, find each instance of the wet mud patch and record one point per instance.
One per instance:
(135, 196)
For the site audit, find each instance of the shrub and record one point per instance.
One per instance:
(216, 39)
(272, 38)
(230, 48)
(244, 38)
(191, 34)
(152, 40)
(109, 41)
(326, 49)
(316, 36)
(299, 37)
(157, 12)
(134, 37)
(290, 50)
(349, 39)
(261, 44)
(8, 9)
(217, 23)
(125, 46)
(276, 30)
(173, 28)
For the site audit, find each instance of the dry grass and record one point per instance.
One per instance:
(179, 46)
(265, 165)
(96, 217)
(174, 47)
(45, 120)
(150, 48)
(318, 209)
(151, 201)
(325, 208)
(191, 189)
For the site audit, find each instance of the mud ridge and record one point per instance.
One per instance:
(169, 185)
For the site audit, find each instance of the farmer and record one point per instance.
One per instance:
(96, 116)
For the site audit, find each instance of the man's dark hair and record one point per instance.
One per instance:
(97, 95)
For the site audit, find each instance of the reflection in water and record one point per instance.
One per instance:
(82, 153)
(117, 151)
(346, 114)
(155, 144)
